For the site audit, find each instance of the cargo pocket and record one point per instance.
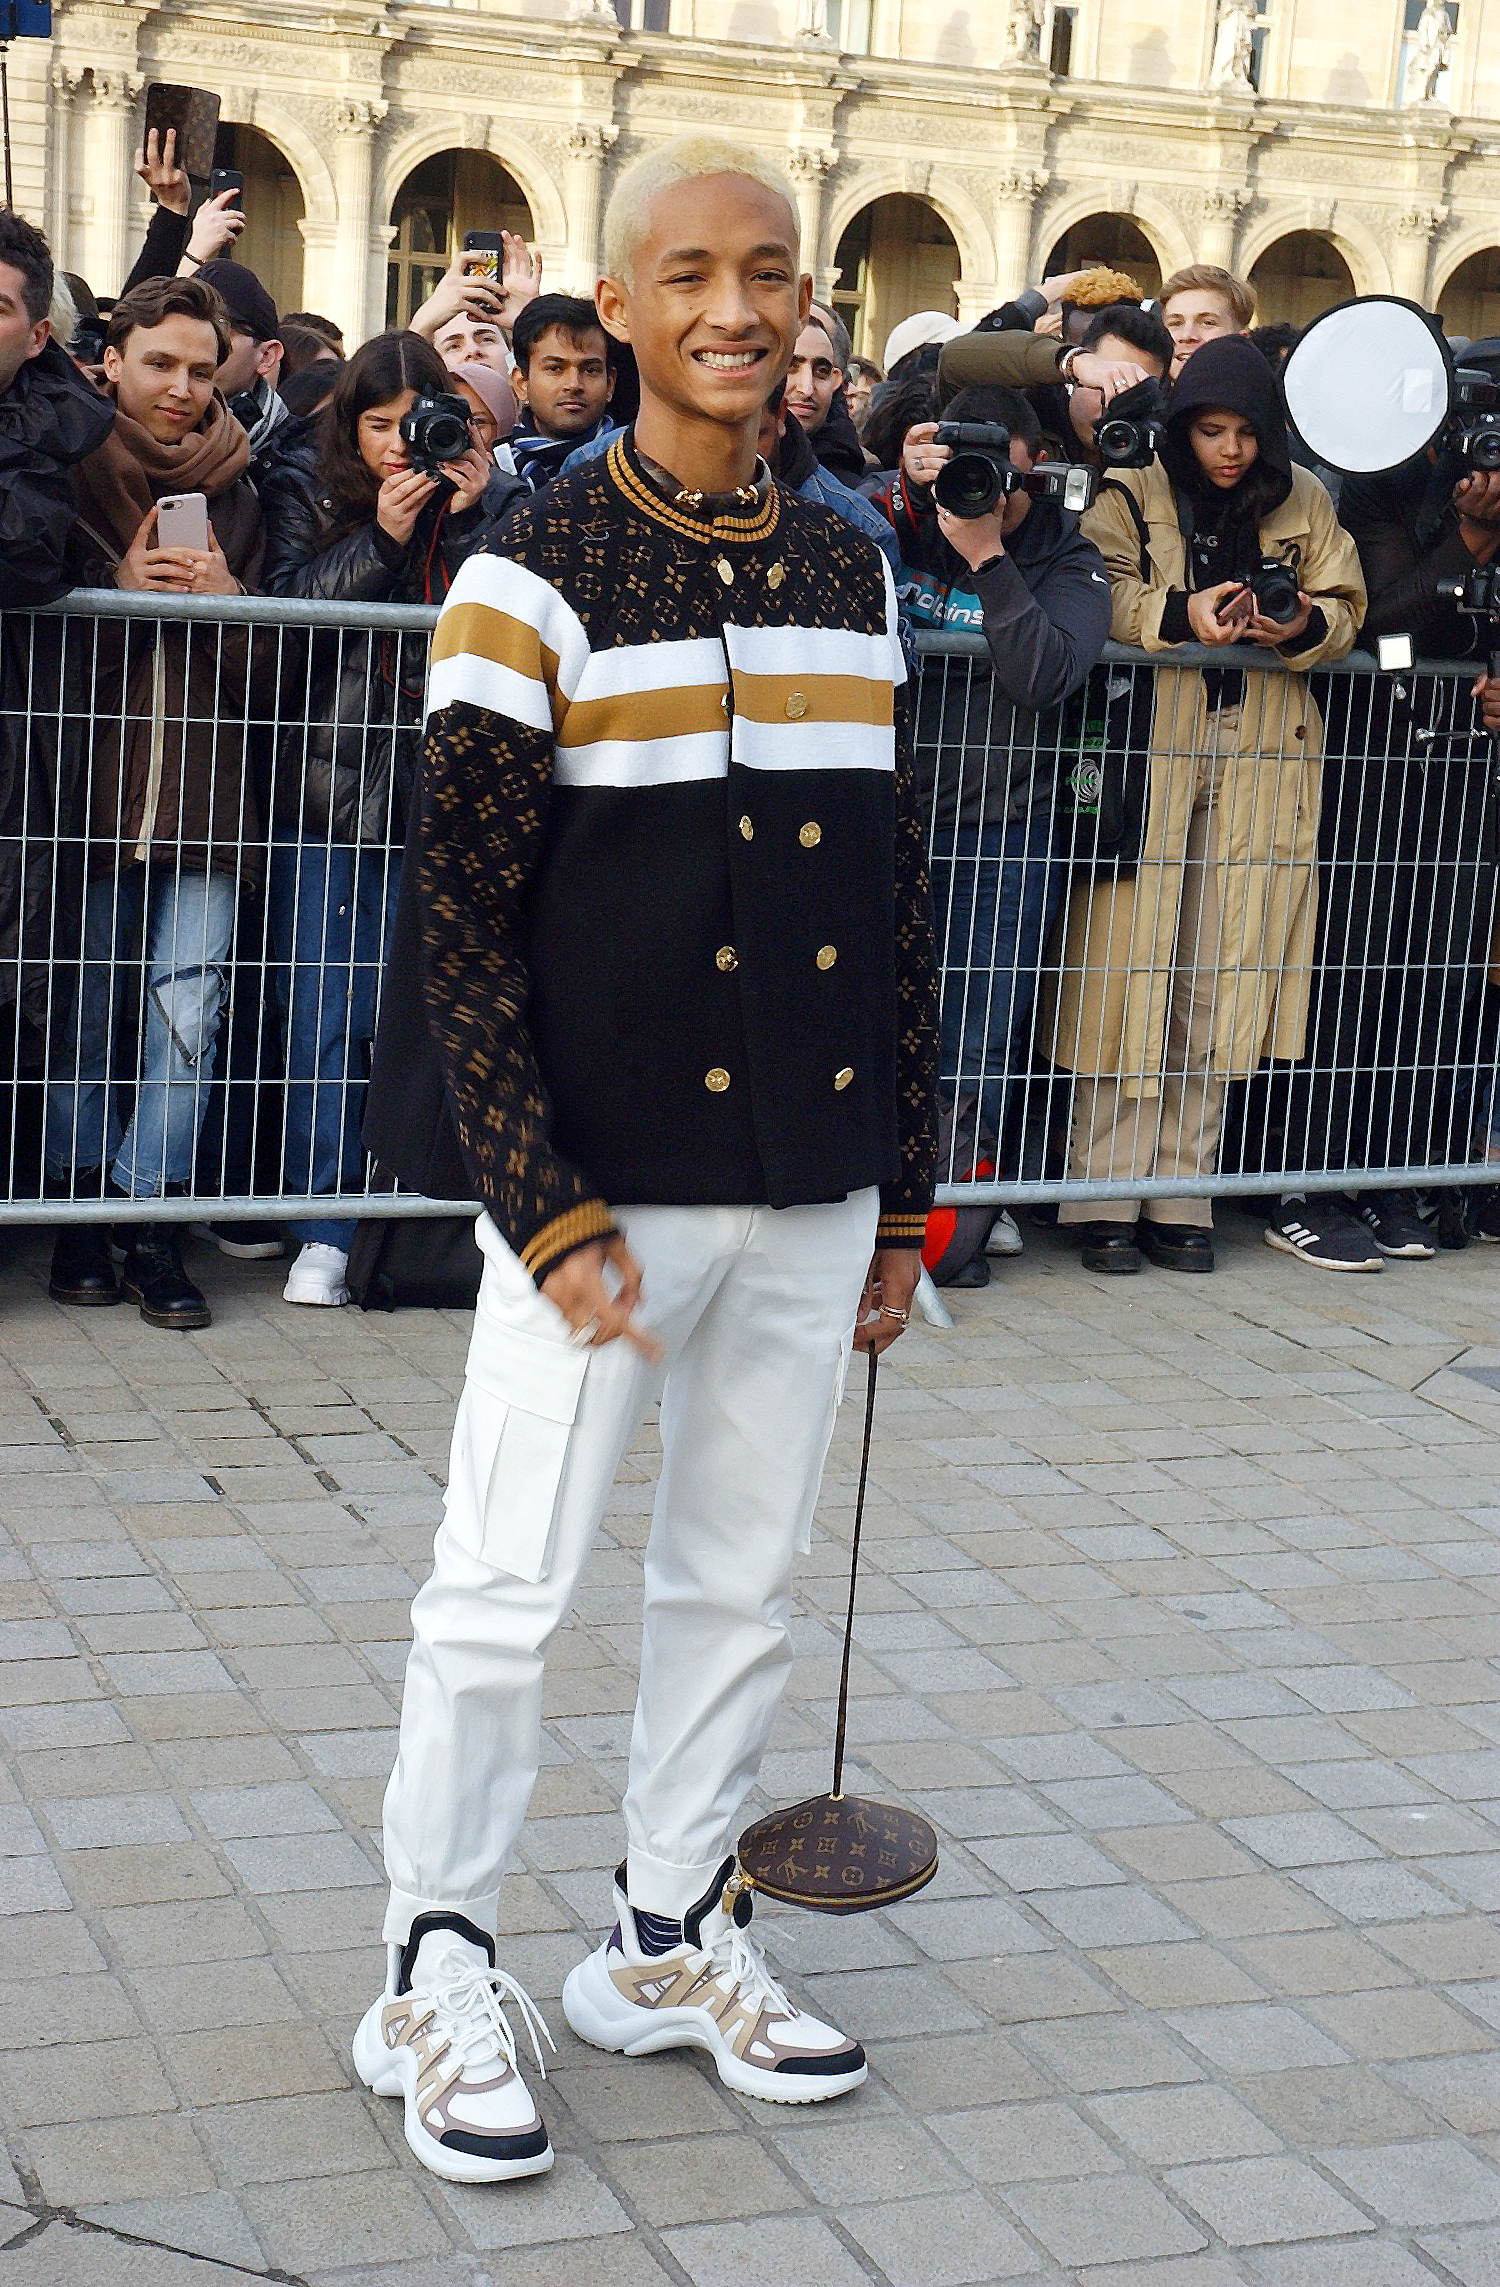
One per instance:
(510, 1446)
(836, 1398)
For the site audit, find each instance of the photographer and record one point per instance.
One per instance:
(172, 825)
(375, 521)
(470, 314)
(989, 744)
(1407, 877)
(1186, 974)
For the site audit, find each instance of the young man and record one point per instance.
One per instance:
(251, 366)
(813, 378)
(563, 380)
(1203, 303)
(678, 966)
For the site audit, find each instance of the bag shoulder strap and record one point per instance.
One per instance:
(1113, 484)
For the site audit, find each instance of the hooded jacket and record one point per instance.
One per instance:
(989, 741)
(50, 418)
(169, 774)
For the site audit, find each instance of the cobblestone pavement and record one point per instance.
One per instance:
(1180, 1622)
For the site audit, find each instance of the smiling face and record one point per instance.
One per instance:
(812, 379)
(164, 376)
(713, 306)
(567, 382)
(1194, 316)
(382, 447)
(1224, 445)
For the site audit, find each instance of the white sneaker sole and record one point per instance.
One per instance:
(600, 2015)
(394, 2072)
(1418, 1252)
(316, 1298)
(1286, 1246)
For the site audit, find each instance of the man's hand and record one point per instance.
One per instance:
(1109, 375)
(156, 164)
(209, 573)
(216, 226)
(144, 565)
(921, 459)
(978, 539)
(464, 289)
(1487, 692)
(520, 278)
(885, 1305)
(1273, 633)
(1477, 500)
(1220, 614)
(578, 1289)
(468, 478)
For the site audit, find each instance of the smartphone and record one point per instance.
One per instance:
(226, 179)
(182, 521)
(192, 114)
(488, 242)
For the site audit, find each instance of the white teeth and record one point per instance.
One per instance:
(728, 360)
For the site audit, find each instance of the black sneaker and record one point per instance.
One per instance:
(1325, 1232)
(246, 1242)
(1392, 1221)
(1486, 1212)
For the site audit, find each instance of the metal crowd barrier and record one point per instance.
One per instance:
(1210, 965)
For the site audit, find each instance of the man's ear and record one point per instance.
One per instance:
(268, 356)
(113, 366)
(41, 334)
(613, 308)
(518, 385)
(804, 299)
(610, 378)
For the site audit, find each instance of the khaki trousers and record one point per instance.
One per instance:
(1174, 1134)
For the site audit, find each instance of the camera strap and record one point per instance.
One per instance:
(1113, 484)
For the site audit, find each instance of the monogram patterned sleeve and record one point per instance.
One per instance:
(486, 784)
(904, 1204)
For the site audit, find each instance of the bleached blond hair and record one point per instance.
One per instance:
(686, 159)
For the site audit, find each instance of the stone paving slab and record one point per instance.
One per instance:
(1181, 1622)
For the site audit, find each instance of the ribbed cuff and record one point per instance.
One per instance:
(901, 1230)
(579, 1227)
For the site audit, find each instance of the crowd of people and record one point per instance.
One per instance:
(1276, 941)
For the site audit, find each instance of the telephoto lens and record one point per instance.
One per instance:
(980, 472)
(436, 429)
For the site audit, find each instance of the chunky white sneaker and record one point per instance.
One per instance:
(438, 2037)
(1005, 1235)
(317, 1276)
(703, 1983)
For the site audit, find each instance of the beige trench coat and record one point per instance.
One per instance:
(1105, 1007)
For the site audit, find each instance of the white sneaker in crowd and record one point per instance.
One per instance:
(439, 2038)
(704, 1983)
(1005, 1235)
(317, 1276)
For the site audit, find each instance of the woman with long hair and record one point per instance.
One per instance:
(374, 522)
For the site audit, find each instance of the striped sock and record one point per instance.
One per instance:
(657, 1933)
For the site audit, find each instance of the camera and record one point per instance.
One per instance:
(1130, 430)
(436, 429)
(981, 472)
(1477, 593)
(1274, 587)
(1474, 430)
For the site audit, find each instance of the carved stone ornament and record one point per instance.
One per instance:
(1223, 204)
(1418, 221)
(808, 167)
(1432, 53)
(812, 24)
(1234, 45)
(354, 115)
(1019, 185)
(591, 139)
(1023, 29)
(116, 90)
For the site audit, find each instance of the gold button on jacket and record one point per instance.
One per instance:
(717, 1080)
(842, 1079)
(747, 830)
(727, 958)
(776, 575)
(725, 571)
(810, 835)
(826, 956)
(796, 706)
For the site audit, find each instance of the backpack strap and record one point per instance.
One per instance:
(1113, 484)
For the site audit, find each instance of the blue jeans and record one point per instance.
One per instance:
(184, 923)
(331, 908)
(995, 894)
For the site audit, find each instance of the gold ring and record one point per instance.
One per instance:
(902, 1317)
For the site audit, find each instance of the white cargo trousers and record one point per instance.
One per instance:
(754, 1307)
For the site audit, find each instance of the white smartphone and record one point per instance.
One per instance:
(182, 521)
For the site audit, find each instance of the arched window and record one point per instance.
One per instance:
(448, 194)
(1470, 302)
(270, 243)
(1299, 276)
(896, 257)
(1113, 242)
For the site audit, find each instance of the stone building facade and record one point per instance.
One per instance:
(942, 153)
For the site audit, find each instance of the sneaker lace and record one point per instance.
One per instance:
(738, 1957)
(472, 1999)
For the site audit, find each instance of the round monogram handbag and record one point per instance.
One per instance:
(838, 1853)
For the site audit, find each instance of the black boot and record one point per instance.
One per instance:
(154, 1277)
(82, 1269)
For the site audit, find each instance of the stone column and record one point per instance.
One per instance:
(65, 83)
(1218, 223)
(808, 168)
(1411, 249)
(109, 153)
(589, 145)
(357, 297)
(1016, 194)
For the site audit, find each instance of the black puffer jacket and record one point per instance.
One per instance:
(51, 417)
(345, 766)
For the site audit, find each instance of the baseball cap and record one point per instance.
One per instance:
(916, 332)
(250, 307)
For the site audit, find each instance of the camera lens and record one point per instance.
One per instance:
(968, 486)
(1115, 439)
(1275, 592)
(1485, 449)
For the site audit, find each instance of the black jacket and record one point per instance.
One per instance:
(166, 237)
(345, 766)
(990, 734)
(836, 447)
(51, 417)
